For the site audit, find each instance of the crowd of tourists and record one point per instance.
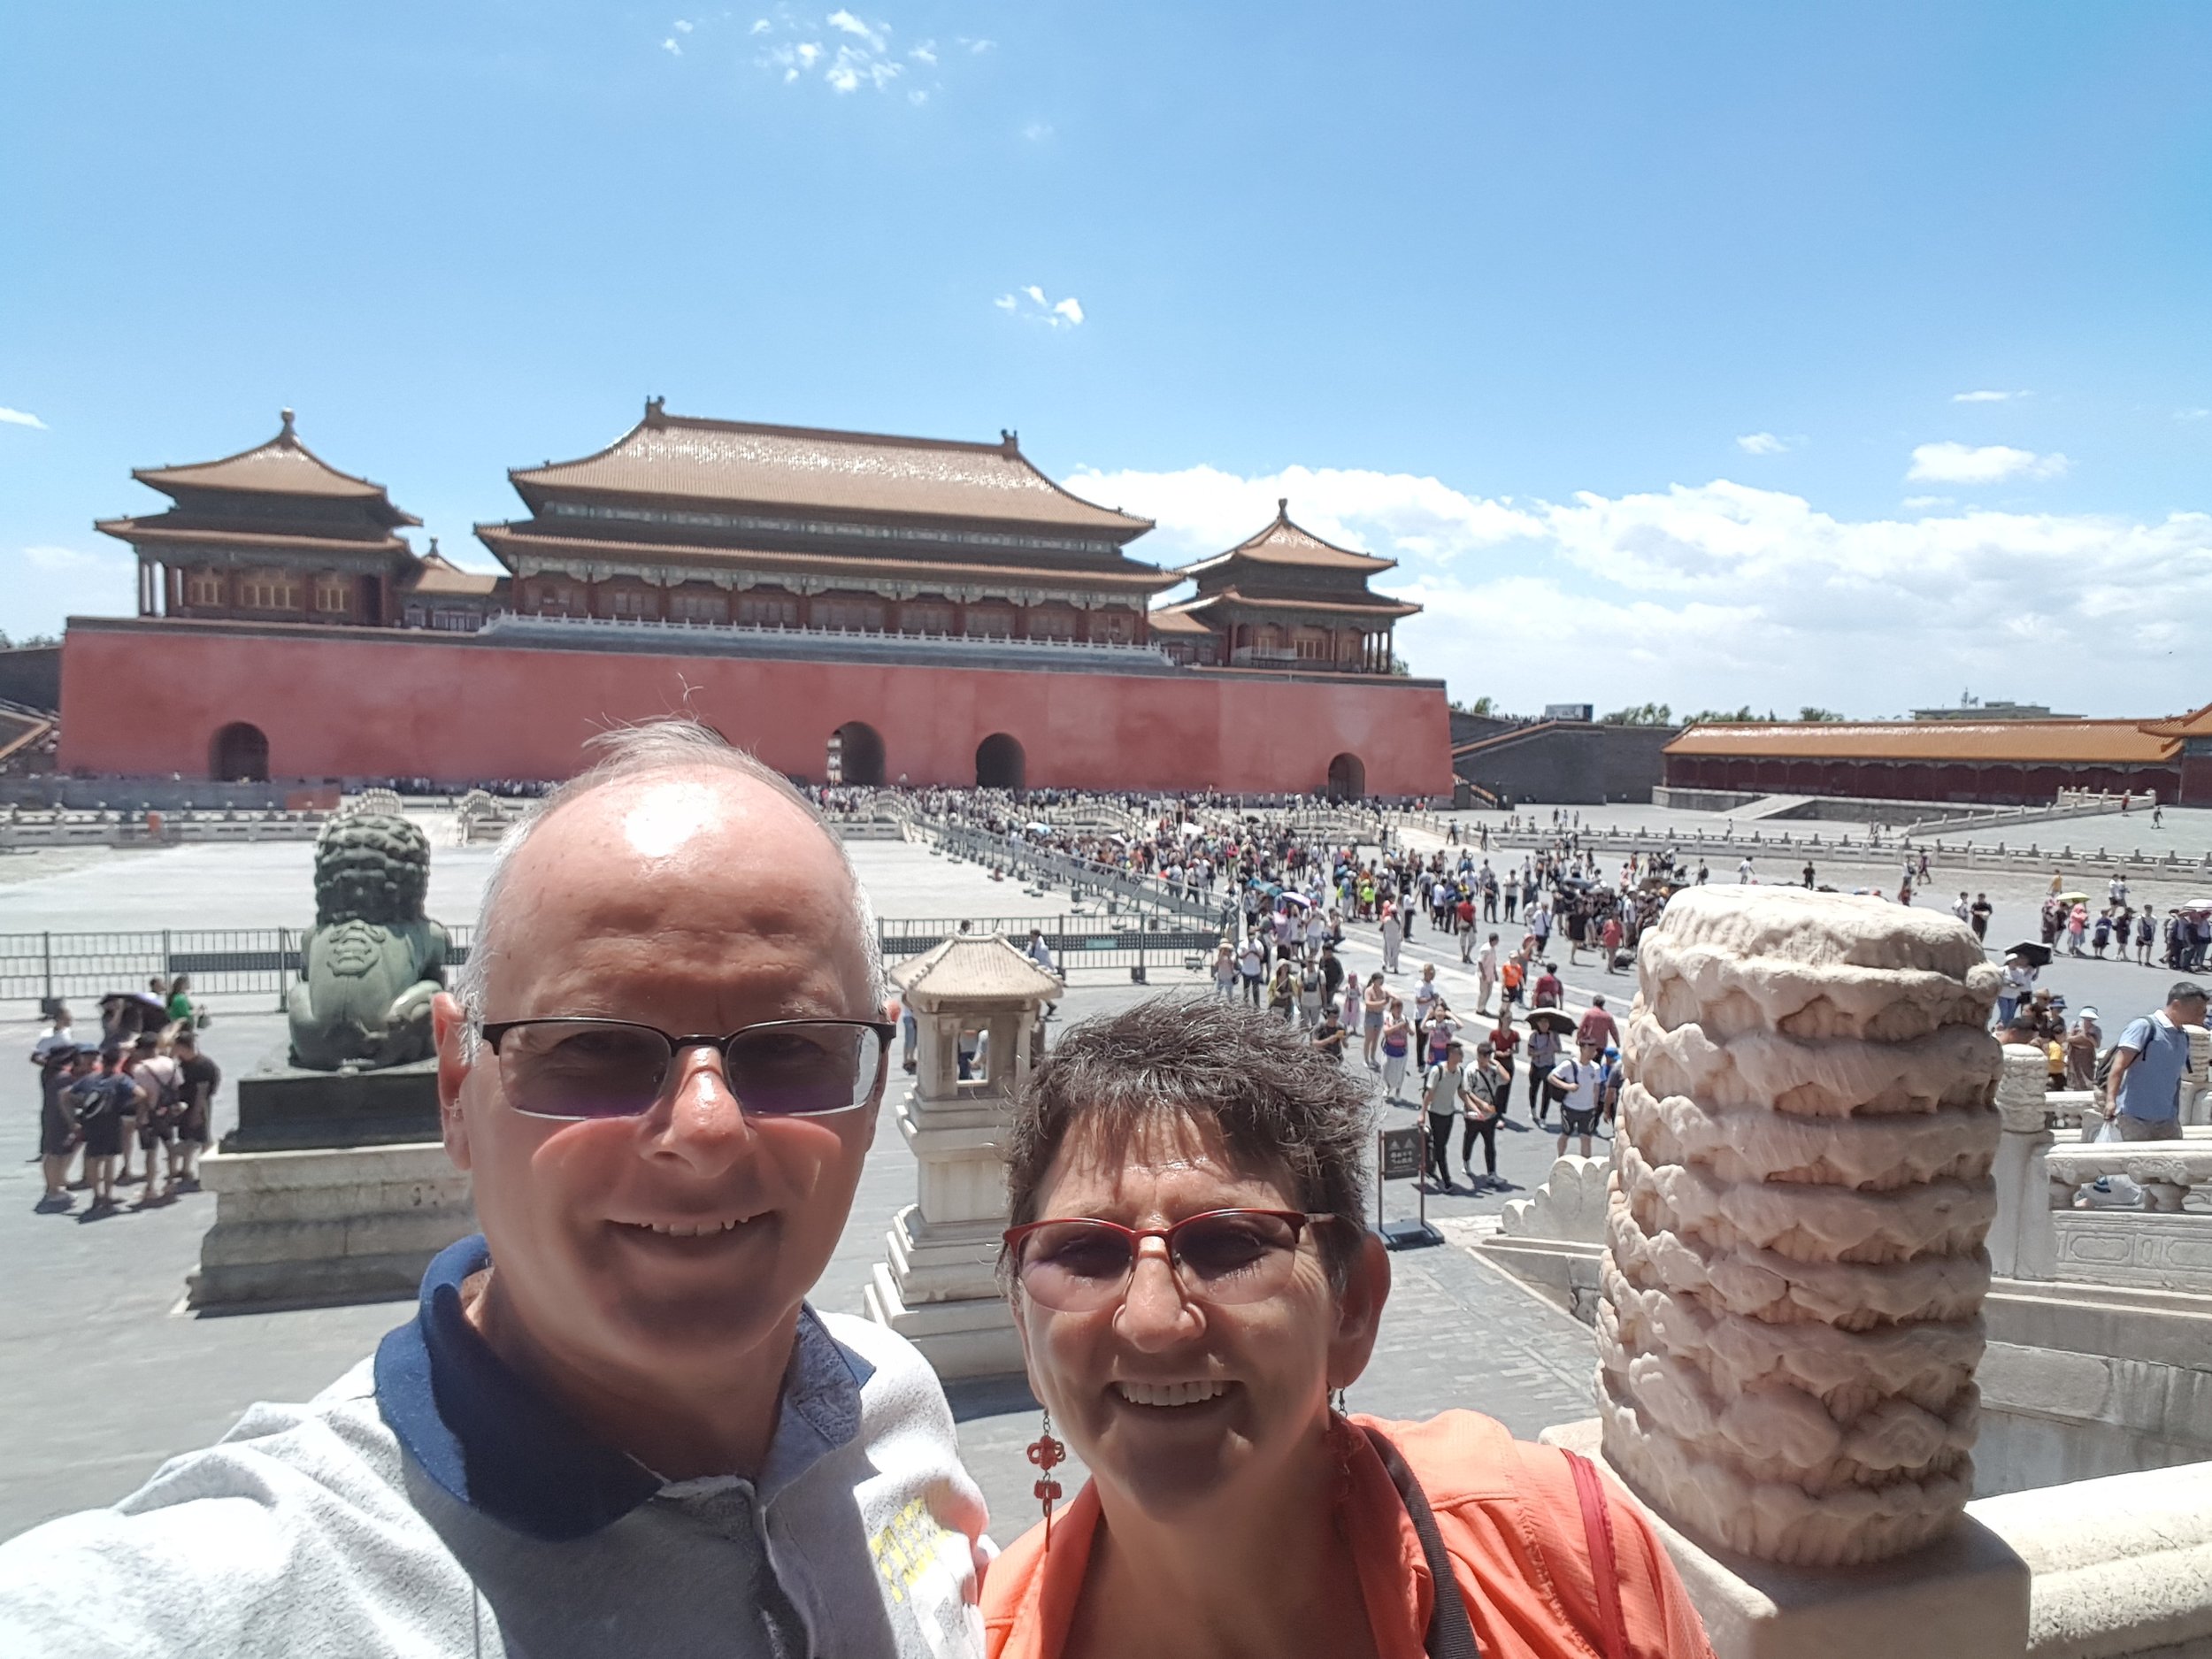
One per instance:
(128, 1107)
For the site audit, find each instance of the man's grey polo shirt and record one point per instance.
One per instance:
(433, 1501)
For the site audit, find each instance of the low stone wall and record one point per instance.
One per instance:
(298, 1229)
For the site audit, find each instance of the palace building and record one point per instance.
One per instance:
(1284, 598)
(2005, 762)
(851, 606)
(273, 533)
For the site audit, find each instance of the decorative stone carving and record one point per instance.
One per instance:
(1569, 1206)
(374, 961)
(1790, 1322)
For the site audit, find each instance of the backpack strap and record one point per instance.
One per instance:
(1450, 1634)
(1597, 1525)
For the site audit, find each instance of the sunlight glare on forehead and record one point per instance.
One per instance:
(667, 815)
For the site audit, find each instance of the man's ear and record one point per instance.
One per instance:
(448, 1026)
(1359, 1310)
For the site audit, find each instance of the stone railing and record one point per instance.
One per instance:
(2165, 1169)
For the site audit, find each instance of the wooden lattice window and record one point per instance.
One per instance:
(269, 590)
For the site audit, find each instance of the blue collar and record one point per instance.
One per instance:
(490, 1439)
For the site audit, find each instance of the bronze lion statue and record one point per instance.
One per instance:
(373, 962)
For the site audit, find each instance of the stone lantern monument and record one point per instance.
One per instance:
(978, 1007)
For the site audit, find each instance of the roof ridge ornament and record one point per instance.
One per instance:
(287, 435)
(1282, 509)
(655, 412)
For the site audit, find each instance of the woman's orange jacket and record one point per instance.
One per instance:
(1511, 1520)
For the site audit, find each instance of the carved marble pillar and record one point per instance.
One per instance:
(2023, 1243)
(1789, 1324)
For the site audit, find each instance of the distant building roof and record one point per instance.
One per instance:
(282, 466)
(1283, 542)
(1995, 708)
(1359, 605)
(439, 576)
(685, 458)
(985, 968)
(1176, 620)
(2025, 742)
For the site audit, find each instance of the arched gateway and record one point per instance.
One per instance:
(999, 763)
(240, 754)
(1348, 779)
(856, 754)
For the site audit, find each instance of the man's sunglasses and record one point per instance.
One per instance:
(581, 1068)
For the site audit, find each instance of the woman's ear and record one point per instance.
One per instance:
(1359, 1310)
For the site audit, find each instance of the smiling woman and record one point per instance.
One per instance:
(1192, 1281)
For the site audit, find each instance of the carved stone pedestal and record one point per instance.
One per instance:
(326, 1224)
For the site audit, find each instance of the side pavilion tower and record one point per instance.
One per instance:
(1285, 599)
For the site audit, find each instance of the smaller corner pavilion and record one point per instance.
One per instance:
(271, 534)
(1284, 598)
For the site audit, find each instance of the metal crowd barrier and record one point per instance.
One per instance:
(222, 962)
(1076, 941)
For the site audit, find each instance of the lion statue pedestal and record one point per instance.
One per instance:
(334, 1186)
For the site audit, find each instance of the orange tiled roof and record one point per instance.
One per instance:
(439, 574)
(282, 466)
(1351, 604)
(1175, 619)
(686, 457)
(161, 531)
(2056, 742)
(1283, 542)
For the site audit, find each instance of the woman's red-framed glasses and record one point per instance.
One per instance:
(1080, 1264)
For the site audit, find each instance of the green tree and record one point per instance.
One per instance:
(1641, 714)
(1813, 715)
(1481, 708)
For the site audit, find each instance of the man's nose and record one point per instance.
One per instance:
(705, 1125)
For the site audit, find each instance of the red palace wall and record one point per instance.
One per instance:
(147, 698)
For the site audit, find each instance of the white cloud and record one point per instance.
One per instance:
(872, 33)
(1037, 132)
(976, 47)
(1716, 594)
(1761, 443)
(1915, 502)
(862, 59)
(1987, 464)
(1067, 313)
(21, 418)
(682, 28)
(2179, 414)
(1986, 397)
(671, 48)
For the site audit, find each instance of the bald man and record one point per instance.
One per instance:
(614, 1426)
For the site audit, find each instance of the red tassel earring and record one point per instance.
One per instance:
(1047, 1453)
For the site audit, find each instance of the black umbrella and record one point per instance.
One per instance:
(2037, 956)
(1550, 1018)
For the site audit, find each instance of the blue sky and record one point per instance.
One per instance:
(1844, 354)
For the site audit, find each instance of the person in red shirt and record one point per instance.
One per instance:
(1609, 936)
(1548, 991)
(1598, 1026)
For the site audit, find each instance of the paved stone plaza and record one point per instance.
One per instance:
(103, 1374)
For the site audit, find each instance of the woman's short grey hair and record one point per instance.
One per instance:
(623, 755)
(1283, 1106)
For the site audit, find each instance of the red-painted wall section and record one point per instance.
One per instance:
(147, 698)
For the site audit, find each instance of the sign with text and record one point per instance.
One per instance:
(1400, 1154)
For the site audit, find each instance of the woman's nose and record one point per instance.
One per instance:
(1155, 1314)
